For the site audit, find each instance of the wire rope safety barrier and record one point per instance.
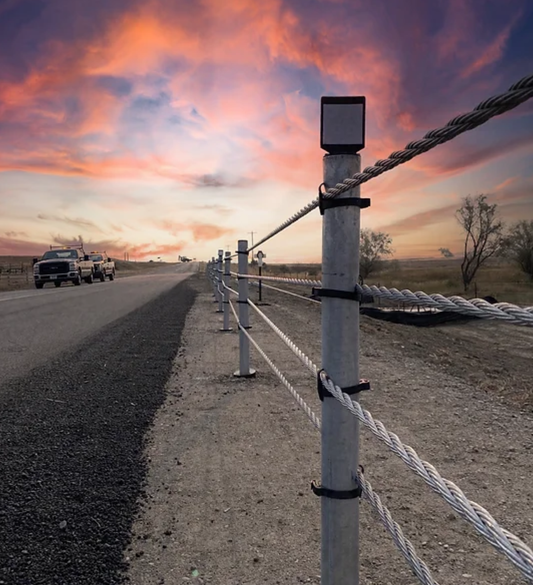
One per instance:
(339, 293)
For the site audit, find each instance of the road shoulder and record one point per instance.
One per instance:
(228, 498)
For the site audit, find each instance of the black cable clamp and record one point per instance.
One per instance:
(241, 302)
(330, 202)
(320, 490)
(350, 390)
(354, 295)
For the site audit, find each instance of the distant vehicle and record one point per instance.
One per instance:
(63, 264)
(184, 259)
(103, 266)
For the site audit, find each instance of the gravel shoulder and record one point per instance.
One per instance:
(228, 497)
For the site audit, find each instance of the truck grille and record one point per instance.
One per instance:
(54, 268)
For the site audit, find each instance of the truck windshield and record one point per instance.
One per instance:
(60, 254)
(96, 257)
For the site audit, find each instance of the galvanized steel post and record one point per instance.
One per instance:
(244, 345)
(340, 360)
(209, 271)
(218, 281)
(213, 265)
(227, 275)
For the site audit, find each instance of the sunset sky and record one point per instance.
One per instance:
(171, 127)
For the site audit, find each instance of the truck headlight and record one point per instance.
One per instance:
(35, 269)
(72, 266)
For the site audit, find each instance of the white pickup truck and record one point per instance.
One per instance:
(103, 266)
(63, 264)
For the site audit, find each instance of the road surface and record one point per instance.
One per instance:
(82, 373)
(38, 325)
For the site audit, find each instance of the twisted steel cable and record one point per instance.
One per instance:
(510, 545)
(517, 94)
(516, 550)
(288, 292)
(307, 362)
(299, 281)
(480, 308)
(301, 402)
(456, 304)
(230, 290)
(404, 545)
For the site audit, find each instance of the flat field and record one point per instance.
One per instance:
(500, 279)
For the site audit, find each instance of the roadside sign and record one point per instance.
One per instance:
(260, 255)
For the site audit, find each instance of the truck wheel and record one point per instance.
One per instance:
(77, 281)
(39, 284)
(57, 283)
(102, 277)
(112, 276)
(89, 279)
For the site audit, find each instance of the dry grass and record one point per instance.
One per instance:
(15, 272)
(502, 280)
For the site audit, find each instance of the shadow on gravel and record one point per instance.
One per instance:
(424, 319)
(71, 440)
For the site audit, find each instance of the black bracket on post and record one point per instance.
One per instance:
(354, 295)
(330, 202)
(350, 390)
(325, 492)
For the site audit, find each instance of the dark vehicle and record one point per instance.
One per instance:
(63, 264)
(103, 266)
(184, 259)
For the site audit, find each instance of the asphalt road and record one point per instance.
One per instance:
(87, 369)
(38, 325)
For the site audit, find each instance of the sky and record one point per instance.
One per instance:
(177, 127)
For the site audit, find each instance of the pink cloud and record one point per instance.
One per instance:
(11, 246)
(493, 52)
(201, 232)
(420, 220)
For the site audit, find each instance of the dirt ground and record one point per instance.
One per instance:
(228, 499)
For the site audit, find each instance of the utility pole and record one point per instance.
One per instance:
(252, 234)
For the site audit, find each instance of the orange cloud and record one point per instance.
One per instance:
(147, 250)
(117, 247)
(202, 232)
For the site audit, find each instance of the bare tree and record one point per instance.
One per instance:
(446, 252)
(518, 245)
(373, 246)
(483, 234)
